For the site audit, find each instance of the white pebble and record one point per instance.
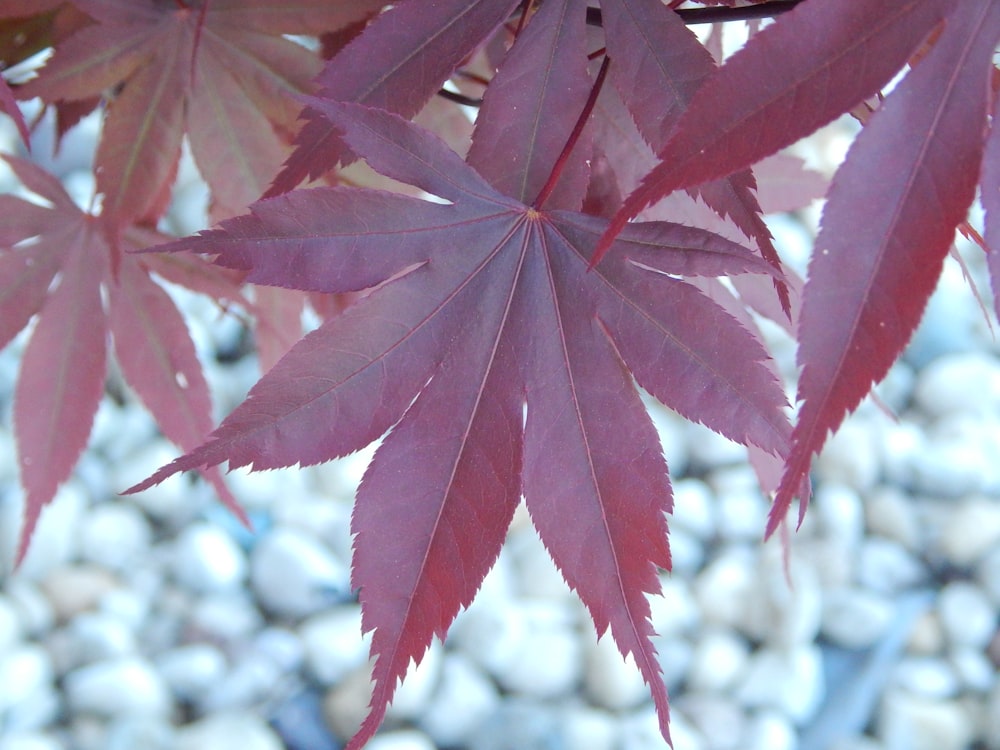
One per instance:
(117, 687)
(345, 705)
(970, 531)
(902, 448)
(957, 383)
(34, 611)
(840, 513)
(407, 739)
(55, 541)
(537, 575)
(927, 676)
(725, 589)
(770, 731)
(206, 559)
(117, 431)
(97, 636)
(465, 698)
(281, 646)
(834, 561)
(736, 478)
(720, 658)
(687, 553)
(910, 722)
(926, 635)
(187, 212)
(294, 575)
(30, 740)
(173, 501)
(974, 669)
(988, 575)
(192, 670)
(320, 516)
(676, 656)
(114, 535)
(790, 681)
(227, 616)
(72, 589)
(24, 671)
(611, 681)
(228, 731)
(675, 610)
(850, 456)
(716, 717)
(589, 728)
(130, 606)
(710, 450)
(891, 514)
(10, 624)
(641, 731)
(993, 714)
(956, 460)
(885, 566)
(39, 710)
(968, 617)
(333, 643)
(673, 439)
(693, 503)
(148, 733)
(855, 618)
(8, 454)
(489, 636)
(784, 613)
(741, 515)
(896, 389)
(253, 679)
(263, 489)
(549, 661)
(414, 694)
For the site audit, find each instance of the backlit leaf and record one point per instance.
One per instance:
(883, 242)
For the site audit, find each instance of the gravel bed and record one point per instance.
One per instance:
(157, 622)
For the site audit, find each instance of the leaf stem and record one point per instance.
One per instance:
(574, 136)
(525, 7)
(690, 16)
(693, 16)
(454, 96)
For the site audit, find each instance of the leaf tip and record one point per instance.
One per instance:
(32, 512)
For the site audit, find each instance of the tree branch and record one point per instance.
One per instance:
(693, 16)
(690, 16)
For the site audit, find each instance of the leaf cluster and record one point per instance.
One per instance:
(494, 296)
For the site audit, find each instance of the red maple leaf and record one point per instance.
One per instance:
(397, 63)
(219, 70)
(61, 378)
(9, 105)
(893, 207)
(493, 363)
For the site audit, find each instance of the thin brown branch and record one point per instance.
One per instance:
(693, 16)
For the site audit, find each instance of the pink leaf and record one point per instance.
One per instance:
(658, 65)
(9, 105)
(883, 242)
(475, 310)
(796, 75)
(531, 106)
(61, 381)
(428, 43)
(990, 189)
